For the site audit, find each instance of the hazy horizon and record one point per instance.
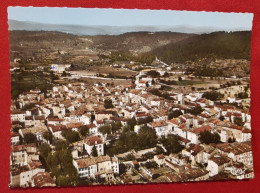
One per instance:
(126, 19)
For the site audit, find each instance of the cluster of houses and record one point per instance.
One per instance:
(69, 107)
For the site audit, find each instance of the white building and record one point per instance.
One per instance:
(90, 142)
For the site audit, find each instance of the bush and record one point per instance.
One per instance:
(213, 95)
(207, 137)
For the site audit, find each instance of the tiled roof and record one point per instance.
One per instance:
(93, 140)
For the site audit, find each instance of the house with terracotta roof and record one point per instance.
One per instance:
(217, 164)
(240, 171)
(74, 126)
(161, 128)
(238, 152)
(56, 130)
(174, 125)
(22, 175)
(92, 128)
(192, 174)
(104, 114)
(18, 116)
(194, 152)
(102, 166)
(15, 139)
(239, 133)
(193, 134)
(159, 159)
(56, 121)
(90, 142)
(22, 154)
(42, 179)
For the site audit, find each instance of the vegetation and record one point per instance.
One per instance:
(207, 137)
(84, 131)
(214, 45)
(159, 150)
(44, 150)
(181, 82)
(194, 111)
(174, 114)
(151, 164)
(29, 138)
(60, 165)
(153, 74)
(48, 136)
(144, 120)
(172, 144)
(238, 121)
(213, 95)
(156, 92)
(25, 81)
(70, 136)
(147, 137)
(131, 123)
(106, 129)
(129, 140)
(60, 144)
(242, 95)
(108, 104)
(94, 152)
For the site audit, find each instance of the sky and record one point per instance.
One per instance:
(130, 17)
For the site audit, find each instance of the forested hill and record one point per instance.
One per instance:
(219, 45)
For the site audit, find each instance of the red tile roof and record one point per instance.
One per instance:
(201, 129)
(93, 140)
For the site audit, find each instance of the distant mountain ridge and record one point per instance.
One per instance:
(107, 30)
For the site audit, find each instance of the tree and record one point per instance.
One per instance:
(106, 129)
(70, 136)
(29, 138)
(60, 144)
(153, 74)
(144, 120)
(242, 95)
(238, 121)
(147, 137)
(151, 164)
(174, 114)
(129, 157)
(221, 118)
(63, 181)
(159, 150)
(83, 130)
(108, 104)
(94, 152)
(60, 165)
(28, 106)
(172, 144)
(166, 74)
(127, 141)
(231, 140)
(116, 126)
(48, 136)
(179, 78)
(154, 176)
(207, 137)
(213, 95)
(132, 123)
(122, 168)
(195, 111)
(44, 150)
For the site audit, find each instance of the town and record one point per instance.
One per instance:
(147, 124)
